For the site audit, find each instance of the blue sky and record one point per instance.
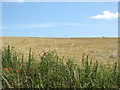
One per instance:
(50, 19)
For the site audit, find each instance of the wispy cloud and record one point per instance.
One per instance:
(1, 27)
(46, 25)
(72, 24)
(29, 26)
(67, 24)
(42, 25)
(106, 15)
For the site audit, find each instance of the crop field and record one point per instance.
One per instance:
(33, 62)
(102, 49)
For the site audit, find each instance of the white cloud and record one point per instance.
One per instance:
(106, 15)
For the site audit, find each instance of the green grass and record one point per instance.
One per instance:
(52, 72)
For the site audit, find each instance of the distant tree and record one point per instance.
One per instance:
(103, 37)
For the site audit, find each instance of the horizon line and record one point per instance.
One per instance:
(56, 37)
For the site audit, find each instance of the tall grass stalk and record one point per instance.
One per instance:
(52, 72)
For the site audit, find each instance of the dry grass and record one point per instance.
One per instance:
(102, 49)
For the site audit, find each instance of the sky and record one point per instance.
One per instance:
(60, 0)
(60, 19)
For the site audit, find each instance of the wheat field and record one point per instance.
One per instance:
(103, 49)
(59, 62)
